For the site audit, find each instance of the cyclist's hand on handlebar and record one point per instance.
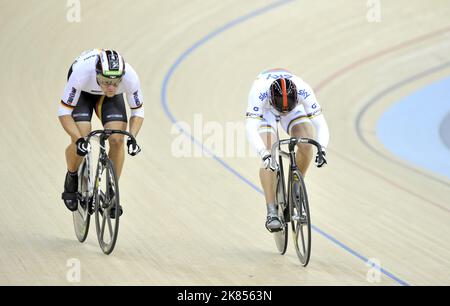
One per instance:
(133, 147)
(83, 147)
(267, 163)
(320, 162)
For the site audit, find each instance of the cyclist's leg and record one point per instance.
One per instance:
(72, 158)
(297, 124)
(267, 131)
(304, 152)
(82, 116)
(113, 114)
(268, 178)
(116, 145)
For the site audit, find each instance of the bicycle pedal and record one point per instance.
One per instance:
(276, 230)
(303, 220)
(91, 207)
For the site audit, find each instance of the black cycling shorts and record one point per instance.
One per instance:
(107, 109)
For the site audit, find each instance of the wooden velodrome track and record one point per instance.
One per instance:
(195, 220)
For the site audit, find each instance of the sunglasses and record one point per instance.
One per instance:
(107, 81)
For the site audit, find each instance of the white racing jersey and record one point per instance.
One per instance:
(260, 112)
(83, 78)
(259, 96)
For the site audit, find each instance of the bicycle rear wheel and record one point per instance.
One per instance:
(107, 198)
(300, 217)
(81, 217)
(281, 237)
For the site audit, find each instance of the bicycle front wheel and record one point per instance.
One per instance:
(107, 207)
(81, 217)
(300, 217)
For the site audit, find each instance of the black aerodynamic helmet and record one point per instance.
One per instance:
(110, 64)
(283, 95)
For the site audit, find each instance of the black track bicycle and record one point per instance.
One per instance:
(99, 195)
(292, 200)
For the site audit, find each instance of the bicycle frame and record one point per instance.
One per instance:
(101, 158)
(278, 154)
(280, 172)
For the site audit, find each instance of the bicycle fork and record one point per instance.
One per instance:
(296, 214)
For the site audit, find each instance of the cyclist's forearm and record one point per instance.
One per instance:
(251, 127)
(135, 125)
(70, 127)
(323, 134)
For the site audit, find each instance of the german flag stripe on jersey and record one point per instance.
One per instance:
(66, 105)
(137, 107)
(98, 107)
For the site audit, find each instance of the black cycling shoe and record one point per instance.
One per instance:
(69, 195)
(70, 200)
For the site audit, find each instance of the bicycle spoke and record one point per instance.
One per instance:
(111, 232)
(102, 230)
(79, 212)
(303, 239)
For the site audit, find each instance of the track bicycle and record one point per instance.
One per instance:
(99, 195)
(292, 200)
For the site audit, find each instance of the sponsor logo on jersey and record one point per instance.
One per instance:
(256, 108)
(90, 56)
(253, 115)
(263, 96)
(278, 76)
(304, 94)
(72, 95)
(315, 113)
(136, 98)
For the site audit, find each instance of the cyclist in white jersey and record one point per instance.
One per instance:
(278, 95)
(96, 82)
